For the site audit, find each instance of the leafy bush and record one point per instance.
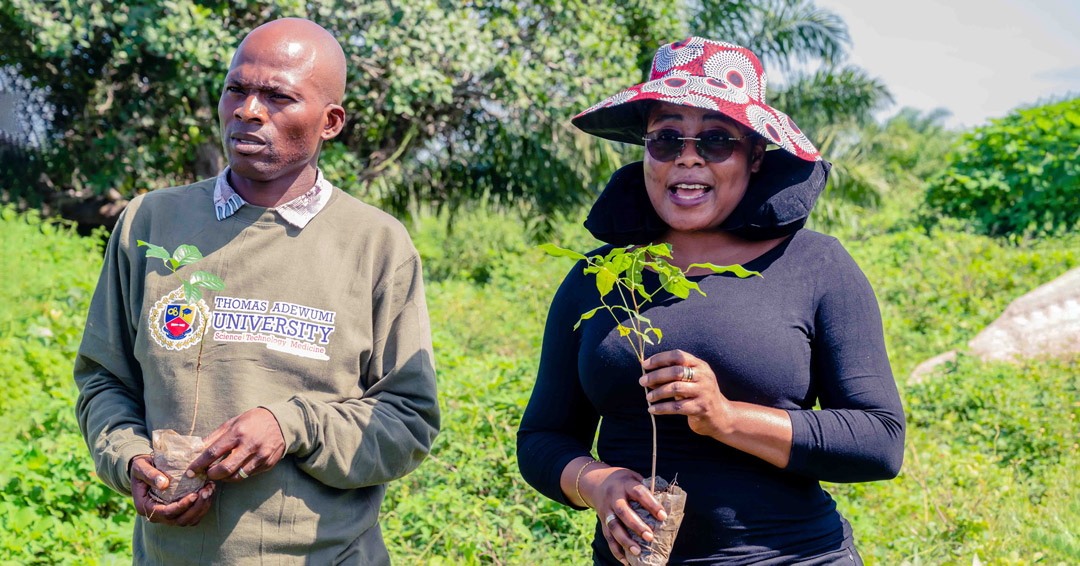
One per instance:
(52, 508)
(991, 459)
(1019, 174)
(939, 288)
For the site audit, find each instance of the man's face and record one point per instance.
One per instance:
(272, 113)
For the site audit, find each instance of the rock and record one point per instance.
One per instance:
(926, 368)
(1044, 322)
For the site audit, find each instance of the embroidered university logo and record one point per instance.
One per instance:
(175, 324)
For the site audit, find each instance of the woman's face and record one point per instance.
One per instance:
(689, 193)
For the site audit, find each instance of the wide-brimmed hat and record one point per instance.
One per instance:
(701, 73)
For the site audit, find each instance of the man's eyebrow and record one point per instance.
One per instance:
(720, 117)
(264, 85)
(668, 117)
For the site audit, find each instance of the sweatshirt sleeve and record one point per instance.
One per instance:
(388, 431)
(559, 422)
(858, 435)
(109, 407)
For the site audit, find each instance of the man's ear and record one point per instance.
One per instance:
(333, 121)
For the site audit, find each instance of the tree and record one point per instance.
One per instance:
(448, 102)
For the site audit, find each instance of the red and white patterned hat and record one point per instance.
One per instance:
(702, 73)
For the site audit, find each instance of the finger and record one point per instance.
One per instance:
(642, 495)
(669, 358)
(170, 511)
(622, 536)
(688, 407)
(195, 513)
(139, 495)
(613, 546)
(258, 463)
(662, 375)
(222, 445)
(673, 390)
(227, 469)
(143, 470)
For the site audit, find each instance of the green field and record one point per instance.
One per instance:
(990, 466)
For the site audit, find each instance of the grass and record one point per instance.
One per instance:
(991, 457)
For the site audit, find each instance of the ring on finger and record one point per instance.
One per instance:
(609, 518)
(240, 472)
(687, 373)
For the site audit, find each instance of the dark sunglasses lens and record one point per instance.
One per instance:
(715, 146)
(664, 145)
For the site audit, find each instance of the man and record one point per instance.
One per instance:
(318, 382)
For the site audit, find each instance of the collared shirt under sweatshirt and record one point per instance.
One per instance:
(325, 325)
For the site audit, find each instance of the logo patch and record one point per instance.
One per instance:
(176, 325)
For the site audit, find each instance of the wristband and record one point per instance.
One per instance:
(577, 481)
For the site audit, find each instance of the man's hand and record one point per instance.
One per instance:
(249, 444)
(186, 512)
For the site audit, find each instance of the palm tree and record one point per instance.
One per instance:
(835, 102)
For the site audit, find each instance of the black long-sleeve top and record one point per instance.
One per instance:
(807, 331)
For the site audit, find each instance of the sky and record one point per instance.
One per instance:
(976, 58)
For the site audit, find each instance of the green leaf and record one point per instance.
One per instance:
(552, 249)
(641, 318)
(659, 335)
(192, 294)
(207, 281)
(619, 264)
(680, 286)
(586, 316)
(186, 254)
(154, 251)
(614, 252)
(659, 250)
(736, 269)
(605, 281)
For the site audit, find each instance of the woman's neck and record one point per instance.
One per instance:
(714, 246)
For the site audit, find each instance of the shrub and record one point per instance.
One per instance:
(1020, 174)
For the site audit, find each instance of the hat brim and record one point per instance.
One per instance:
(622, 117)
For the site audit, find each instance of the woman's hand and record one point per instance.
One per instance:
(609, 491)
(707, 410)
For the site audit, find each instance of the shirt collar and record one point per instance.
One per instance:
(297, 212)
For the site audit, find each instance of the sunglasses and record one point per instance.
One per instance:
(713, 146)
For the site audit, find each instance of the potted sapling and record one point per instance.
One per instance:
(618, 281)
(173, 452)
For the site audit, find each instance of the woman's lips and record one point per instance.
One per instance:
(688, 194)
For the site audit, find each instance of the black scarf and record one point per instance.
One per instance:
(777, 202)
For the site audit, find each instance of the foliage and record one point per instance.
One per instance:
(185, 254)
(448, 103)
(965, 488)
(872, 161)
(52, 508)
(1019, 174)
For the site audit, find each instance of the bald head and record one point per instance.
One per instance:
(303, 45)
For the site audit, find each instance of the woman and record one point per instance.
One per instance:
(737, 429)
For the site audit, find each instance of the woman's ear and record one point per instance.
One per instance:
(757, 153)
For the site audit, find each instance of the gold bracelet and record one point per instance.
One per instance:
(577, 481)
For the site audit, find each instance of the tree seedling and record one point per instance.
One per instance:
(619, 272)
(172, 452)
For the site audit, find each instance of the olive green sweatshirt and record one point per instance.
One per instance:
(325, 326)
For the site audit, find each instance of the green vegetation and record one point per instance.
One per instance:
(991, 456)
(1020, 174)
(448, 103)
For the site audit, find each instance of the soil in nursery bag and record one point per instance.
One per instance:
(173, 453)
(656, 553)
